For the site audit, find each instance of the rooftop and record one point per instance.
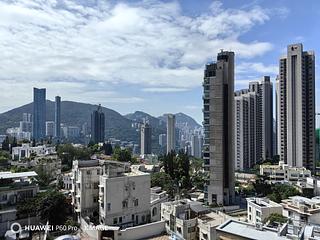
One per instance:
(248, 231)
(10, 175)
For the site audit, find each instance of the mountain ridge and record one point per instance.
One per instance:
(77, 113)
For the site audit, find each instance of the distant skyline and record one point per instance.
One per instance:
(143, 55)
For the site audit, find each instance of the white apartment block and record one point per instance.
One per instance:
(258, 209)
(283, 172)
(124, 197)
(14, 188)
(110, 190)
(67, 180)
(302, 211)
(158, 196)
(314, 182)
(26, 150)
(208, 223)
(85, 187)
(180, 219)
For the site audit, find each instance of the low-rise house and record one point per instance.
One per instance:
(259, 209)
(85, 187)
(180, 219)
(158, 196)
(208, 223)
(314, 182)
(14, 188)
(301, 210)
(67, 181)
(283, 172)
(26, 151)
(233, 229)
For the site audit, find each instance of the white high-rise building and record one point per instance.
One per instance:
(196, 146)
(162, 140)
(50, 128)
(253, 124)
(218, 123)
(26, 123)
(296, 107)
(146, 139)
(171, 132)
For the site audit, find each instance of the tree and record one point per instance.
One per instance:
(282, 191)
(177, 166)
(163, 180)
(4, 156)
(43, 178)
(108, 149)
(123, 155)
(275, 218)
(6, 144)
(49, 206)
(67, 153)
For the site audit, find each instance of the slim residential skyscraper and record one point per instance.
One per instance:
(97, 125)
(57, 117)
(253, 124)
(39, 113)
(195, 146)
(171, 132)
(146, 137)
(296, 107)
(218, 113)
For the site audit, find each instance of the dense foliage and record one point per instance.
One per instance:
(123, 155)
(275, 192)
(67, 153)
(177, 166)
(275, 218)
(49, 206)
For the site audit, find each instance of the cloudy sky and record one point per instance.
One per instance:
(142, 55)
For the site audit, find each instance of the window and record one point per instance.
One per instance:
(179, 230)
(109, 206)
(96, 185)
(98, 171)
(154, 211)
(124, 204)
(258, 214)
(88, 172)
(115, 220)
(143, 218)
(120, 219)
(4, 197)
(136, 202)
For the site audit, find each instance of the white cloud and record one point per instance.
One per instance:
(150, 43)
(164, 90)
(258, 67)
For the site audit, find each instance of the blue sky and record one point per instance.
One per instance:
(143, 55)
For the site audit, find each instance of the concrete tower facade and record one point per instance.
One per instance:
(171, 132)
(146, 139)
(39, 113)
(57, 117)
(97, 125)
(253, 119)
(296, 107)
(218, 111)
